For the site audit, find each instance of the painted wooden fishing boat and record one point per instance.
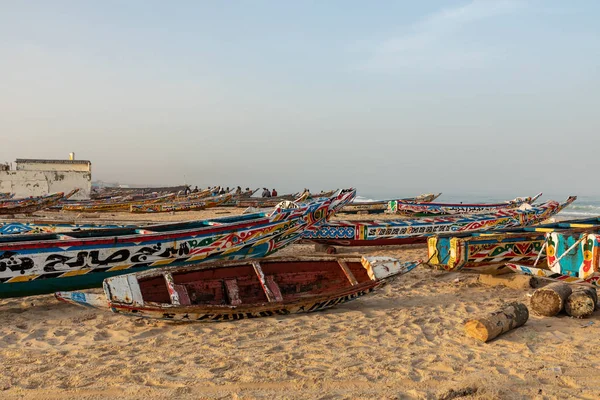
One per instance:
(190, 205)
(36, 264)
(410, 209)
(27, 207)
(29, 200)
(201, 194)
(488, 251)
(59, 226)
(321, 194)
(236, 197)
(243, 289)
(110, 206)
(484, 253)
(117, 192)
(571, 255)
(265, 202)
(6, 195)
(380, 206)
(416, 230)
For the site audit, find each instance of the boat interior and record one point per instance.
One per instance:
(252, 283)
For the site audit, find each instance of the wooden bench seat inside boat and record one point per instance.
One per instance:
(272, 281)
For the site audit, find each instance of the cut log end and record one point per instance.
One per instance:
(476, 329)
(550, 300)
(582, 302)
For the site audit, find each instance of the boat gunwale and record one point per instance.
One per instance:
(44, 240)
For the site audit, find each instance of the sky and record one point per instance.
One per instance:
(394, 98)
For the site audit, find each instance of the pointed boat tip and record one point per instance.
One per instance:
(382, 267)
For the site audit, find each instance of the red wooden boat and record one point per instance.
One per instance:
(226, 291)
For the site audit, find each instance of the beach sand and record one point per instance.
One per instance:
(406, 341)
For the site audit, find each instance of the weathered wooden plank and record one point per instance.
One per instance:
(171, 289)
(184, 295)
(274, 287)
(261, 277)
(347, 272)
(233, 292)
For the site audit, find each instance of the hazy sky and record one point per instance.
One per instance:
(392, 97)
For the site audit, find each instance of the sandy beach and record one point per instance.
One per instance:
(406, 341)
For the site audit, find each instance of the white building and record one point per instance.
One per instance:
(40, 177)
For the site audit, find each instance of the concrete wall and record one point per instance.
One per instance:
(38, 183)
(81, 167)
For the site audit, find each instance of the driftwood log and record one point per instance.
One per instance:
(550, 300)
(486, 328)
(515, 281)
(582, 302)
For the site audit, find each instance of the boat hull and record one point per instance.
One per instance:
(394, 232)
(480, 249)
(269, 310)
(381, 206)
(143, 295)
(30, 266)
(437, 209)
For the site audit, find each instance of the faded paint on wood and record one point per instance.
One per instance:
(233, 292)
(274, 287)
(347, 272)
(261, 278)
(171, 289)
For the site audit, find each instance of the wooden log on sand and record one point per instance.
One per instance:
(488, 327)
(550, 300)
(582, 302)
(514, 281)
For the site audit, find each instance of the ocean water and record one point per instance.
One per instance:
(583, 207)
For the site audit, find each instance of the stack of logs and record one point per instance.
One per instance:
(577, 301)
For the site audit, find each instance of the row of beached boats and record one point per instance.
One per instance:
(162, 200)
(152, 202)
(215, 270)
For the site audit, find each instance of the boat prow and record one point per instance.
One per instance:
(91, 300)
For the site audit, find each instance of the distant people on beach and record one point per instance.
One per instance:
(222, 191)
(195, 190)
(187, 190)
(266, 193)
(274, 193)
